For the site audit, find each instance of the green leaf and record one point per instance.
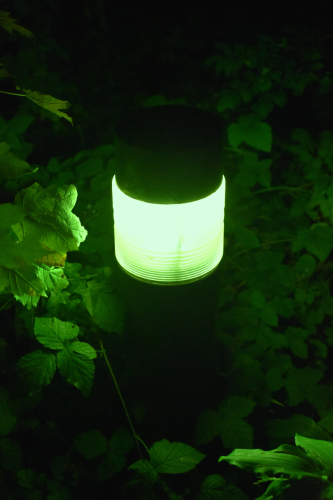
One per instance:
(53, 333)
(109, 312)
(246, 237)
(287, 428)
(227, 423)
(299, 382)
(327, 422)
(208, 427)
(7, 418)
(320, 451)
(285, 459)
(145, 468)
(84, 348)
(296, 337)
(77, 369)
(12, 167)
(112, 463)
(214, 487)
(235, 433)
(252, 132)
(317, 240)
(50, 219)
(235, 407)
(36, 369)
(11, 214)
(268, 316)
(23, 281)
(53, 277)
(91, 444)
(173, 458)
(258, 300)
(121, 441)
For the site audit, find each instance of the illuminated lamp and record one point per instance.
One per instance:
(168, 194)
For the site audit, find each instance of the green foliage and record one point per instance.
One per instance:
(274, 319)
(168, 458)
(73, 359)
(316, 461)
(228, 423)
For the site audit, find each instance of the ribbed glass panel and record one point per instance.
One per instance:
(168, 244)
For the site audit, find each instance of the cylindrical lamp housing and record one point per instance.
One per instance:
(168, 194)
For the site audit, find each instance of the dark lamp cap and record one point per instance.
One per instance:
(169, 154)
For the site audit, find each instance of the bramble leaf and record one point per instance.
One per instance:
(252, 131)
(77, 369)
(173, 458)
(36, 369)
(48, 102)
(91, 444)
(9, 24)
(11, 166)
(53, 333)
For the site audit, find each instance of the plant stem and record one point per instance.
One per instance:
(4, 305)
(11, 93)
(122, 400)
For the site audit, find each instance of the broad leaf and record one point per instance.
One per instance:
(320, 451)
(91, 444)
(48, 102)
(285, 459)
(174, 458)
(77, 369)
(9, 24)
(53, 333)
(36, 369)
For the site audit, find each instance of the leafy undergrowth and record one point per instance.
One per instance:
(64, 434)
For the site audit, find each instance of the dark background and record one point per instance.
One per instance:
(106, 57)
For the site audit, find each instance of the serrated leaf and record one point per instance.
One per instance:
(54, 278)
(9, 24)
(112, 463)
(252, 132)
(91, 444)
(109, 312)
(11, 166)
(173, 458)
(53, 333)
(212, 488)
(121, 441)
(235, 407)
(77, 369)
(208, 427)
(317, 240)
(258, 300)
(24, 281)
(145, 468)
(246, 237)
(84, 348)
(48, 102)
(36, 369)
(236, 433)
(299, 381)
(268, 316)
(50, 220)
(287, 428)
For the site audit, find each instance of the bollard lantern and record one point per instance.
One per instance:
(168, 194)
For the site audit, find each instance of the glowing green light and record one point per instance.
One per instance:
(168, 244)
